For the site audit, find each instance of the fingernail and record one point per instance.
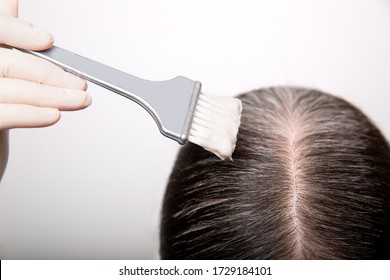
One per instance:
(88, 100)
(45, 37)
(78, 97)
(51, 114)
(74, 82)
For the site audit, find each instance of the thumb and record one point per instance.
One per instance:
(15, 32)
(9, 7)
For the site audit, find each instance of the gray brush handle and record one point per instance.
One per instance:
(171, 103)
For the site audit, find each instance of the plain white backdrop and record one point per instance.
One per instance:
(91, 186)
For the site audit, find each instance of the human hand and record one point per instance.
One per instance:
(33, 90)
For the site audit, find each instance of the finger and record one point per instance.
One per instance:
(9, 7)
(19, 115)
(18, 65)
(13, 91)
(18, 33)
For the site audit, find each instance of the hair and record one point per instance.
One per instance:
(310, 179)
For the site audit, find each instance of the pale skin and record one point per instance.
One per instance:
(33, 91)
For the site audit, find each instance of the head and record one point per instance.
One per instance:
(310, 179)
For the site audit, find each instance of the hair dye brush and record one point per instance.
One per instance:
(180, 110)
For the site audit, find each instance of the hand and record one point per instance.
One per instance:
(32, 90)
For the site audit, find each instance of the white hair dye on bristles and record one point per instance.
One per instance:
(215, 124)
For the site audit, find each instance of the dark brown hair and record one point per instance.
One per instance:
(310, 179)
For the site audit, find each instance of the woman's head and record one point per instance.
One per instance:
(310, 178)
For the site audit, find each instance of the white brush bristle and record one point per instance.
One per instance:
(215, 124)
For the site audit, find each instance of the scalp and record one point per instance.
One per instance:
(309, 179)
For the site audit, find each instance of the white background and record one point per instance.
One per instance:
(92, 185)
(110, 269)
